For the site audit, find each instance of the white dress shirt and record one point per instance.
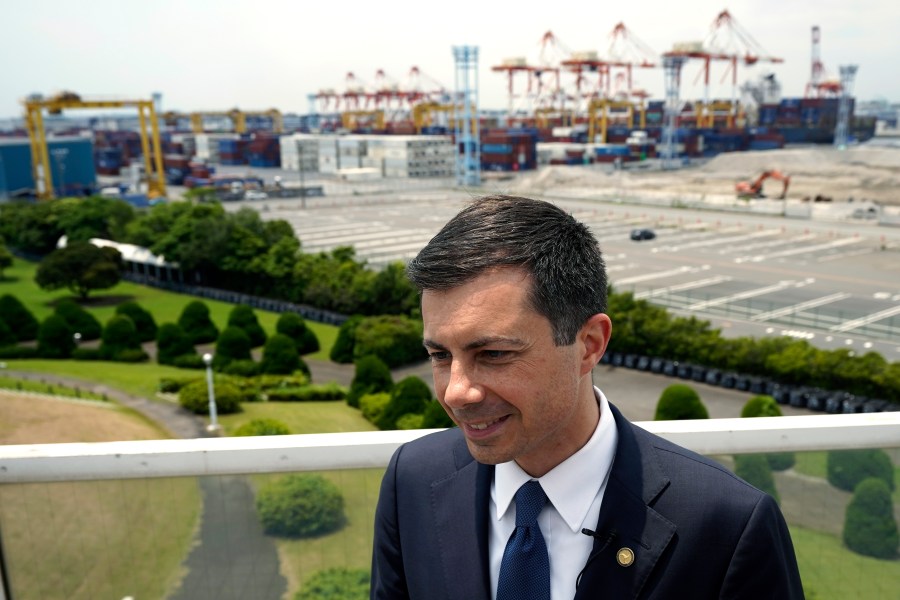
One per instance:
(574, 489)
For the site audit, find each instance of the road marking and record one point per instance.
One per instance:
(682, 286)
(800, 250)
(846, 254)
(787, 310)
(884, 314)
(741, 296)
(767, 244)
(725, 240)
(656, 275)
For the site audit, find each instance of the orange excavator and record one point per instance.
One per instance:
(754, 189)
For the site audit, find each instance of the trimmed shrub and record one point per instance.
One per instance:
(280, 356)
(371, 376)
(195, 322)
(79, 320)
(410, 395)
(7, 337)
(847, 468)
(300, 506)
(678, 402)
(766, 406)
(410, 421)
(91, 354)
(436, 417)
(170, 385)
(372, 405)
(233, 344)
(337, 583)
(397, 340)
(189, 361)
(242, 368)
(262, 427)
(120, 341)
(18, 318)
(342, 350)
(195, 397)
(172, 342)
(272, 382)
(143, 320)
(755, 470)
(19, 352)
(243, 316)
(309, 393)
(293, 326)
(870, 528)
(55, 338)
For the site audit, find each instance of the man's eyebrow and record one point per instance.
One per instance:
(478, 343)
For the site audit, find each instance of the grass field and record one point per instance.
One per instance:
(165, 306)
(9, 383)
(88, 540)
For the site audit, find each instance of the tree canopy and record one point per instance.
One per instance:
(81, 267)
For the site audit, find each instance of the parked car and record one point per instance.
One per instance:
(713, 377)
(656, 365)
(816, 399)
(639, 235)
(670, 368)
(834, 403)
(684, 371)
(781, 393)
(643, 363)
(630, 361)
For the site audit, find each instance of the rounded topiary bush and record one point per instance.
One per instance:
(143, 320)
(293, 326)
(262, 427)
(337, 583)
(243, 316)
(342, 349)
(55, 338)
(120, 340)
(766, 406)
(410, 395)
(680, 401)
(195, 398)
(846, 468)
(372, 375)
(7, 337)
(233, 344)
(172, 342)
(242, 368)
(196, 323)
(372, 405)
(18, 318)
(436, 417)
(280, 356)
(755, 470)
(395, 339)
(869, 526)
(79, 320)
(300, 506)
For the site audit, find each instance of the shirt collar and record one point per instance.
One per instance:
(565, 483)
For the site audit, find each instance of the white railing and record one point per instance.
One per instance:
(317, 452)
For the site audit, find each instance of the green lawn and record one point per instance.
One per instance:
(831, 572)
(301, 417)
(166, 306)
(53, 389)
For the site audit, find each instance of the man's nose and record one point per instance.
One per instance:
(462, 387)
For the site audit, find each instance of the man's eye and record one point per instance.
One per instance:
(495, 354)
(438, 356)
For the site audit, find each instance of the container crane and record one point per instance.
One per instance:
(40, 161)
(626, 50)
(820, 84)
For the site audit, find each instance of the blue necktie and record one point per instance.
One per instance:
(525, 569)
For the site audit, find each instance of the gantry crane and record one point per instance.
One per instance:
(238, 118)
(40, 161)
(820, 84)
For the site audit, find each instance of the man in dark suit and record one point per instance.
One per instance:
(513, 305)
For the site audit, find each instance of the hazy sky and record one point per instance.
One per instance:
(255, 55)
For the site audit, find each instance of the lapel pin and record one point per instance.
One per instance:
(625, 557)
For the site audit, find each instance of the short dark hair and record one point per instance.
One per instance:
(561, 255)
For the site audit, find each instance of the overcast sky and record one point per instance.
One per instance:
(260, 54)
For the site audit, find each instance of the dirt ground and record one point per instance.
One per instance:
(863, 173)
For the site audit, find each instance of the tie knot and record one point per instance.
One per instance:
(530, 500)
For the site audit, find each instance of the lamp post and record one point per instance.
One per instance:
(213, 420)
(60, 155)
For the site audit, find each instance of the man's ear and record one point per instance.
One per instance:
(594, 337)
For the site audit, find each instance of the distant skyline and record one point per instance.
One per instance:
(217, 55)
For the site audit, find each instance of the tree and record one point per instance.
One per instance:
(243, 316)
(342, 350)
(55, 338)
(847, 468)
(293, 326)
(280, 356)
(755, 470)
(7, 337)
(171, 343)
(143, 320)
(766, 406)
(436, 417)
(680, 401)
(410, 396)
(120, 340)
(869, 525)
(395, 339)
(195, 322)
(6, 258)
(80, 321)
(371, 376)
(81, 267)
(233, 344)
(18, 318)
(300, 506)
(95, 217)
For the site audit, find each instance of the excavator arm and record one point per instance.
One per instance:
(754, 189)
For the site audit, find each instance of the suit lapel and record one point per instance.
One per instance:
(462, 527)
(627, 524)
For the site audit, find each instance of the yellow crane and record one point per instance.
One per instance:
(40, 160)
(603, 107)
(238, 118)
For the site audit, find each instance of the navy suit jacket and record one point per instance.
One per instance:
(695, 530)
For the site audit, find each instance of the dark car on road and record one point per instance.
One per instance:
(639, 235)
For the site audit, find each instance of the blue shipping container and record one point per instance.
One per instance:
(71, 166)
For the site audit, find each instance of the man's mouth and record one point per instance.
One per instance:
(484, 424)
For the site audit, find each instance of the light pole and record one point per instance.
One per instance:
(213, 420)
(60, 155)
